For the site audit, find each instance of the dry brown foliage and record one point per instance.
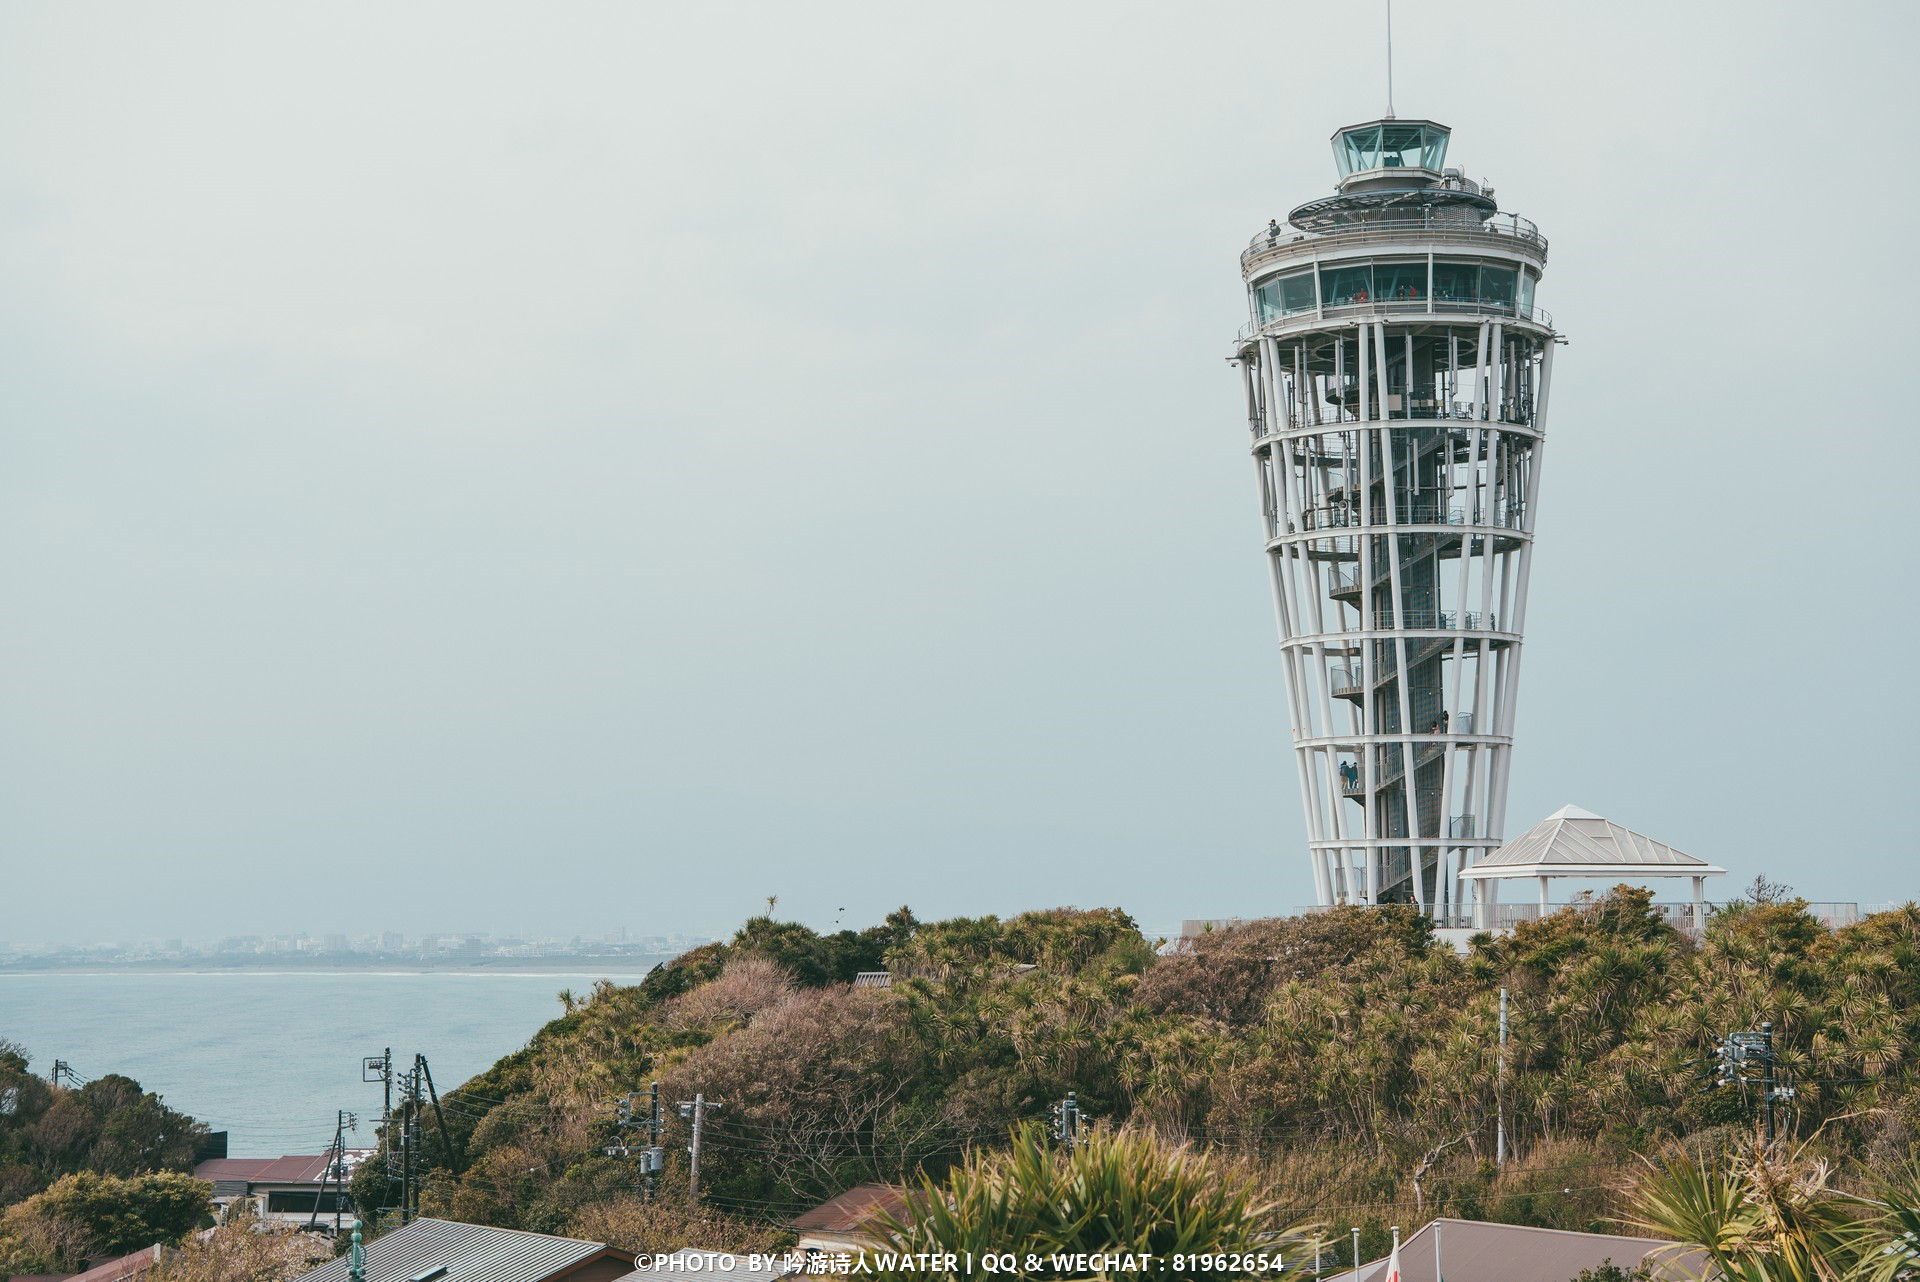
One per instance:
(242, 1252)
(748, 986)
(655, 1227)
(31, 1243)
(813, 1089)
(1229, 974)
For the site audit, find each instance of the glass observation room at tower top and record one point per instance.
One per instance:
(1391, 144)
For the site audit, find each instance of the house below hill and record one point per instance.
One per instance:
(289, 1190)
(430, 1250)
(1475, 1251)
(842, 1223)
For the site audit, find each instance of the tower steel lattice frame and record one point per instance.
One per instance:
(1397, 445)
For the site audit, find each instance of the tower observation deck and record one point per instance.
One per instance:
(1396, 373)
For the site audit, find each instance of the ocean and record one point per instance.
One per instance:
(268, 1056)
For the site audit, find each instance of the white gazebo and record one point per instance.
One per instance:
(1572, 842)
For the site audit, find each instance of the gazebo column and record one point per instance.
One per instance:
(1543, 896)
(1699, 905)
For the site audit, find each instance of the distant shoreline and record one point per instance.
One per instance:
(566, 967)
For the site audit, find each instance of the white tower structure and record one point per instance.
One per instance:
(1396, 374)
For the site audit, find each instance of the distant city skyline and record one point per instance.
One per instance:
(372, 944)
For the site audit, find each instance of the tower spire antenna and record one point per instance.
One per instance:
(1389, 59)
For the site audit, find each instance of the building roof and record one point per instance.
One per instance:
(850, 1212)
(468, 1253)
(299, 1168)
(1475, 1251)
(684, 1264)
(130, 1265)
(1572, 842)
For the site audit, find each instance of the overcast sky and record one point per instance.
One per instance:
(556, 467)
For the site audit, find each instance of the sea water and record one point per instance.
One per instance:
(269, 1056)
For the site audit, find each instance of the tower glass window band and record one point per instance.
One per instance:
(1390, 146)
(1284, 295)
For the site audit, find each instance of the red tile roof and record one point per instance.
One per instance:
(298, 1169)
(127, 1266)
(264, 1170)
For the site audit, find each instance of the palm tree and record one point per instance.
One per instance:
(1765, 1218)
(1892, 1215)
(1128, 1194)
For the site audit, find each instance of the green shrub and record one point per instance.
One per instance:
(88, 1216)
(1126, 1194)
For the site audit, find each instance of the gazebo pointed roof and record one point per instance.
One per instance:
(1572, 842)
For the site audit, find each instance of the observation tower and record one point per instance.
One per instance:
(1396, 374)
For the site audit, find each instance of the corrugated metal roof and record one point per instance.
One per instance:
(468, 1253)
(1474, 1251)
(682, 1265)
(1571, 840)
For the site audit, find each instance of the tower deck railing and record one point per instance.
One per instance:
(1401, 309)
(1513, 410)
(1505, 516)
(1500, 229)
(1351, 681)
(1679, 914)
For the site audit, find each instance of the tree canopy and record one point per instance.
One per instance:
(89, 1216)
(109, 1126)
(1347, 1056)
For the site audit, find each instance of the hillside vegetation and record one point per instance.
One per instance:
(108, 1126)
(90, 1171)
(1345, 1060)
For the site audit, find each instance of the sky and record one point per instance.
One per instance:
(550, 468)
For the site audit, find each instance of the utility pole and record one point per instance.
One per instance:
(1499, 1093)
(404, 1159)
(336, 1170)
(1738, 1050)
(1066, 1122)
(404, 1123)
(1766, 1076)
(410, 1142)
(379, 1068)
(454, 1161)
(653, 1158)
(1356, 1250)
(696, 1108)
